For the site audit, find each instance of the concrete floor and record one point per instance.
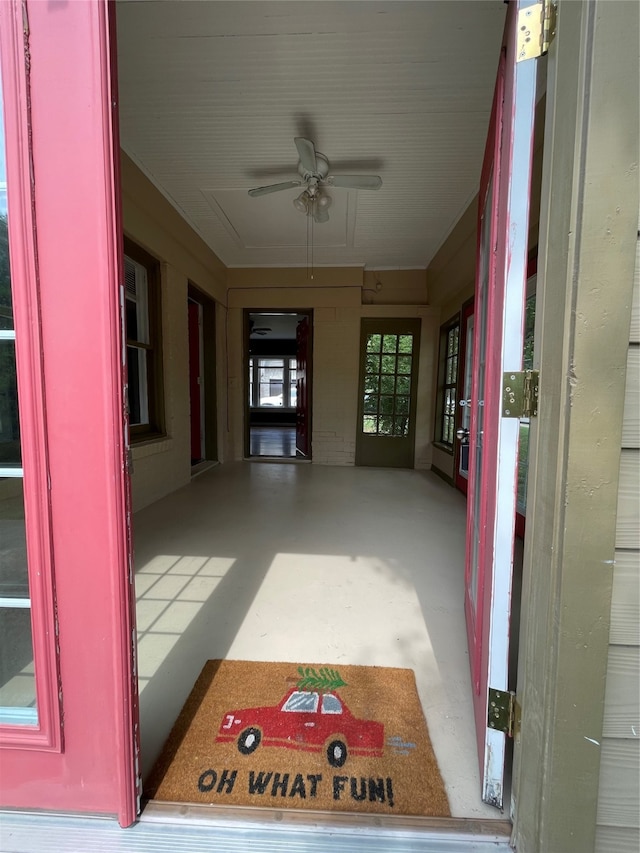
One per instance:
(309, 564)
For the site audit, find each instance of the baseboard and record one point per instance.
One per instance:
(449, 480)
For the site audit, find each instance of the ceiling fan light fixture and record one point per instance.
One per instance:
(301, 202)
(323, 202)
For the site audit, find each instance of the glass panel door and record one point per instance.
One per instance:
(387, 399)
(387, 385)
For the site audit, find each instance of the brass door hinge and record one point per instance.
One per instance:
(504, 712)
(520, 394)
(536, 30)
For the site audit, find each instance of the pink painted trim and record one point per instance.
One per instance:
(47, 734)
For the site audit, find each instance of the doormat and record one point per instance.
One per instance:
(288, 735)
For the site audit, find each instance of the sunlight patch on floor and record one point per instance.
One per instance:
(170, 591)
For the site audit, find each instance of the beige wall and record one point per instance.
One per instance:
(395, 287)
(163, 465)
(336, 296)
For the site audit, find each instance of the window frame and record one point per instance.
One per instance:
(46, 735)
(446, 329)
(254, 384)
(154, 404)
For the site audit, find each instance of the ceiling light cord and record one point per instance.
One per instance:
(311, 219)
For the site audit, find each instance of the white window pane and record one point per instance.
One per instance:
(17, 678)
(137, 302)
(301, 702)
(14, 582)
(138, 396)
(271, 382)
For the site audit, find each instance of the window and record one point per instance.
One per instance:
(387, 385)
(302, 702)
(331, 704)
(447, 383)
(272, 382)
(144, 348)
(17, 678)
(29, 691)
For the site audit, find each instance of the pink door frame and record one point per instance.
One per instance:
(74, 213)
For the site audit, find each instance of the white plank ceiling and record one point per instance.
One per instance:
(212, 95)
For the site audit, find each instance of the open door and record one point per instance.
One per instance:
(303, 394)
(196, 386)
(501, 273)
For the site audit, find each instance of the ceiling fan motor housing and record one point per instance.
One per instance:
(322, 169)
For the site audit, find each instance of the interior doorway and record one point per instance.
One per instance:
(278, 367)
(202, 377)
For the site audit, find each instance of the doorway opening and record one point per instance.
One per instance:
(365, 546)
(202, 378)
(278, 391)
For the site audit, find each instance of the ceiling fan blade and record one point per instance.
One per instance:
(355, 182)
(307, 154)
(274, 188)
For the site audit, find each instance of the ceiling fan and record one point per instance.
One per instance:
(258, 330)
(313, 168)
